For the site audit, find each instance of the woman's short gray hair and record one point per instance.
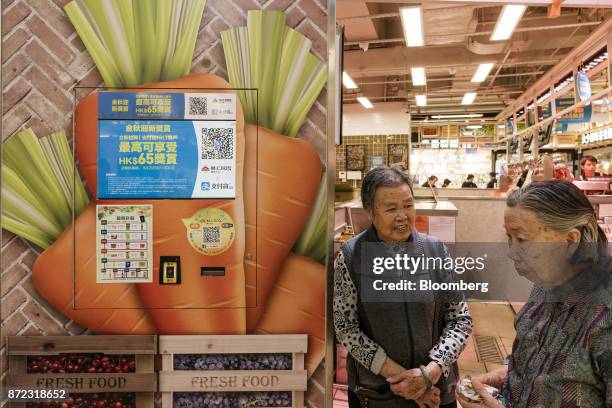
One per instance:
(381, 177)
(561, 206)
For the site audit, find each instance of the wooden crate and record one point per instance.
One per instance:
(143, 382)
(194, 381)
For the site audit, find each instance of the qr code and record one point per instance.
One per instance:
(217, 143)
(198, 105)
(212, 236)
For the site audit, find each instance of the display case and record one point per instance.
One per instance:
(454, 164)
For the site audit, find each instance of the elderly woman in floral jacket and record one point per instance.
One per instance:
(400, 354)
(562, 353)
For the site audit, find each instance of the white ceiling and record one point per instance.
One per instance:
(456, 41)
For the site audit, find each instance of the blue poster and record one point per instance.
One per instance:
(166, 159)
(579, 115)
(166, 145)
(172, 106)
(378, 161)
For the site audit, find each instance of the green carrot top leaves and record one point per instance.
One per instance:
(40, 187)
(276, 60)
(133, 42)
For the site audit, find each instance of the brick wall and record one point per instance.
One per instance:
(42, 58)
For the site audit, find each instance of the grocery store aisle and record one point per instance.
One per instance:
(490, 343)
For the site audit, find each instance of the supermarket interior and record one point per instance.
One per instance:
(192, 192)
(473, 99)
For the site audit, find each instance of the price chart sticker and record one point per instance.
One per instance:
(124, 244)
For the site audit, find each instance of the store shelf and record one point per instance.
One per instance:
(600, 199)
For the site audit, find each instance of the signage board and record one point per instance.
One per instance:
(583, 86)
(166, 145)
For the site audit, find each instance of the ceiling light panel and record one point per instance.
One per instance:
(412, 22)
(421, 100)
(418, 76)
(508, 20)
(348, 82)
(467, 115)
(482, 72)
(365, 102)
(468, 98)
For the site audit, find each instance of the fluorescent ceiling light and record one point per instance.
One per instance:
(365, 102)
(482, 72)
(412, 21)
(418, 76)
(508, 20)
(421, 100)
(468, 98)
(467, 115)
(474, 127)
(348, 81)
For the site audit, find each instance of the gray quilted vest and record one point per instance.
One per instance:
(407, 331)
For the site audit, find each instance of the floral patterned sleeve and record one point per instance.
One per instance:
(454, 336)
(346, 321)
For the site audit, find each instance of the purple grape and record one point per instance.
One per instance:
(232, 399)
(232, 362)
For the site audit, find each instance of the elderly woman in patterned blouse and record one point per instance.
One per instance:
(562, 354)
(395, 351)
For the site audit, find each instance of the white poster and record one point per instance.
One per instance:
(216, 177)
